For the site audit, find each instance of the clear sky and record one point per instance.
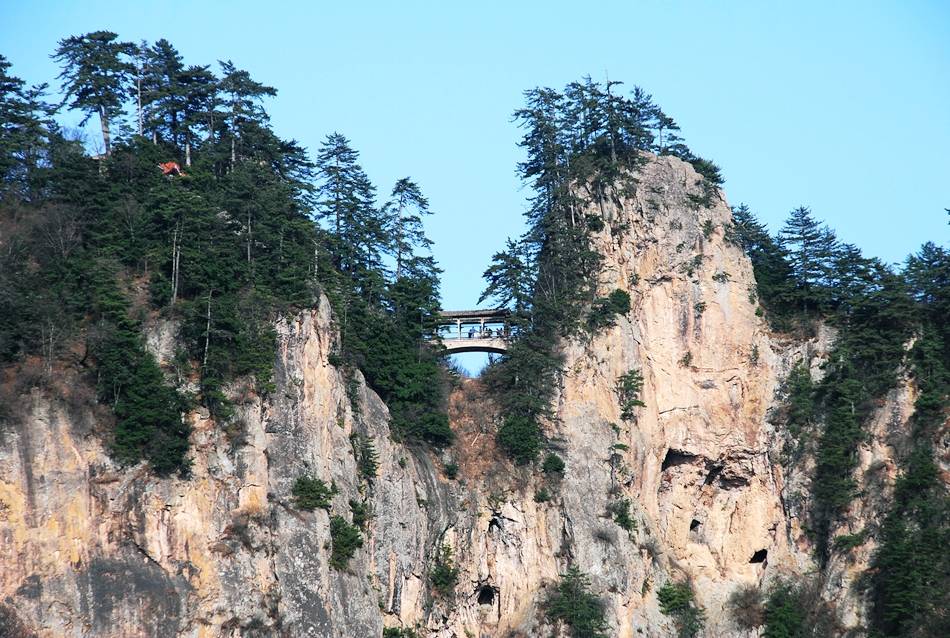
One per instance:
(842, 106)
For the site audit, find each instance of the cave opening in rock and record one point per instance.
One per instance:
(694, 525)
(494, 523)
(714, 472)
(486, 595)
(759, 556)
(676, 457)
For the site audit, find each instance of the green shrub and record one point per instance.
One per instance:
(443, 576)
(542, 495)
(521, 438)
(678, 602)
(553, 464)
(367, 459)
(399, 632)
(451, 470)
(595, 223)
(708, 228)
(310, 493)
(345, 539)
(604, 311)
(800, 405)
(798, 610)
(746, 607)
(708, 169)
(619, 510)
(689, 267)
(847, 542)
(784, 615)
(361, 513)
(628, 388)
(573, 604)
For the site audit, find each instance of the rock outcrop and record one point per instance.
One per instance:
(90, 549)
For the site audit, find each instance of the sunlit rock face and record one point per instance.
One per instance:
(91, 549)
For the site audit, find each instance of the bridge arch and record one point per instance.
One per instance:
(475, 330)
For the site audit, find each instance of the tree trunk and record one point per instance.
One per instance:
(204, 360)
(106, 138)
(138, 95)
(249, 237)
(176, 256)
(188, 153)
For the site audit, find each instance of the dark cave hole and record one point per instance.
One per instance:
(674, 458)
(714, 473)
(494, 523)
(759, 556)
(486, 595)
(694, 525)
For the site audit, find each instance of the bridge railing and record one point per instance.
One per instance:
(471, 324)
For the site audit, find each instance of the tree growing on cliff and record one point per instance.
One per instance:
(572, 603)
(403, 215)
(25, 130)
(811, 249)
(508, 281)
(96, 75)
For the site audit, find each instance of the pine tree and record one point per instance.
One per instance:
(242, 107)
(811, 249)
(96, 76)
(25, 128)
(162, 93)
(572, 603)
(199, 91)
(773, 274)
(347, 202)
(509, 279)
(403, 217)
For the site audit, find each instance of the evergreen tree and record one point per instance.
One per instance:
(403, 217)
(851, 274)
(509, 280)
(773, 274)
(347, 202)
(572, 603)
(162, 94)
(242, 108)
(25, 128)
(910, 574)
(96, 76)
(810, 249)
(199, 89)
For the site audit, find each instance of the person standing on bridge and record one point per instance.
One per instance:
(471, 332)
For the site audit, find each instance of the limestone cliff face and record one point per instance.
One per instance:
(89, 549)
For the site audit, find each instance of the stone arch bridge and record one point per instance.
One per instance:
(475, 330)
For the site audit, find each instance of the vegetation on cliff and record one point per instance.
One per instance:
(583, 146)
(237, 228)
(804, 274)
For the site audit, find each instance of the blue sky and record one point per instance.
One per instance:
(841, 106)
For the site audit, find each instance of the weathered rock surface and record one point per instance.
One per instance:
(89, 549)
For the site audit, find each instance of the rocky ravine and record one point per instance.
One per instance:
(88, 549)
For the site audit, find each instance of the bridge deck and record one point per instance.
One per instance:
(496, 345)
(499, 314)
(475, 330)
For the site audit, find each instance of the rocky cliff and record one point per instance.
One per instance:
(89, 549)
